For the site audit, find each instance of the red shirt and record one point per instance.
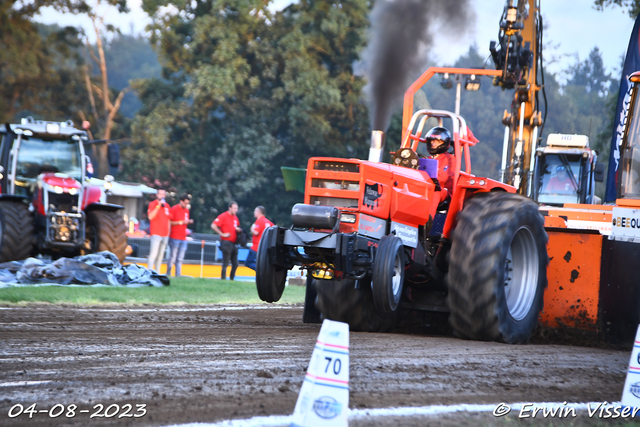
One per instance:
(227, 223)
(261, 224)
(178, 231)
(159, 224)
(446, 170)
(556, 185)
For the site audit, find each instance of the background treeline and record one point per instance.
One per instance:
(225, 92)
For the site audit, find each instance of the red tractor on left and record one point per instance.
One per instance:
(46, 204)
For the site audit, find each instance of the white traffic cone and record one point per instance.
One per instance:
(631, 391)
(324, 395)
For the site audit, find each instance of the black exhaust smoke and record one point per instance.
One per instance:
(402, 33)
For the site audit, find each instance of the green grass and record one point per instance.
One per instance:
(181, 291)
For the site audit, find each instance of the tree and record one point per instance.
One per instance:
(29, 54)
(632, 6)
(591, 74)
(245, 92)
(130, 57)
(110, 102)
(110, 108)
(40, 65)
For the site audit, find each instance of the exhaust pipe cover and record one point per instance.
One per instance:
(378, 138)
(317, 217)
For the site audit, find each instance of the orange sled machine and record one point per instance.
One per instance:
(594, 268)
(594, 250)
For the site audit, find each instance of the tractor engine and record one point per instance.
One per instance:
(360, 202)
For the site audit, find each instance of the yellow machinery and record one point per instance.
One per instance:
(518, 54)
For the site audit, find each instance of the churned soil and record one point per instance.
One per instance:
(213, 363)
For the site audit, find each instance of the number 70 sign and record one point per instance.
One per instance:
(324, 395)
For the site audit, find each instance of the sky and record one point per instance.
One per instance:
(573, 29)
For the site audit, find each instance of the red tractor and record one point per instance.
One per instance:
(46, 205)
(378, 238)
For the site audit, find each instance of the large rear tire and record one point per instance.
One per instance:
(310, 313)
(340, 300)
(388, 274)
(497, 269)
(17, 231)
(107, 231)
(270, 280)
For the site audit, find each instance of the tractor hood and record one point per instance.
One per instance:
(59, 182)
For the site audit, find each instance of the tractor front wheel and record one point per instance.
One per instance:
(388, 274)
(17, 231)
(107, 231)
(497, 269)
(270, 280)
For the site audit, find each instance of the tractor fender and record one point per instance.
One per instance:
(109, 207)
(92, 194)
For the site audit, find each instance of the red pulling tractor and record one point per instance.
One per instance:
(46, 205)
(378, 238)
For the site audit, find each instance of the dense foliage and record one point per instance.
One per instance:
(242, 91)
(632, 6)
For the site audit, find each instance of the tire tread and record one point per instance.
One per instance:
(339, 300)
(18, 239)
(476, 261)
(111, 232)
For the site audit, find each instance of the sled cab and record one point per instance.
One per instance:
(566, 171)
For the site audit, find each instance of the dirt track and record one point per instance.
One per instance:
(207, 364)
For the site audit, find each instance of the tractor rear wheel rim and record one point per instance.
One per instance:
(396, 281)
(521, 273)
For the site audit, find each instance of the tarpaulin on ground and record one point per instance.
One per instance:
(102, 268)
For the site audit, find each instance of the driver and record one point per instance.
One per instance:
(561, 182)
(438, 141)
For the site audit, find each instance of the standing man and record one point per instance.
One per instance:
(227, 225)
(258, 227)
(158, 213)
(179, 216)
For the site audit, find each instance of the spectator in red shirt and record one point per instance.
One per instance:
(179, 215)
(258, 227)
(227, 225)
(158, 213)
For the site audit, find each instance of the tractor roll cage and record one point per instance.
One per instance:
(460, 141)
(427, 75)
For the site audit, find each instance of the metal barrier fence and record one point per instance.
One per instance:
(209, 251)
